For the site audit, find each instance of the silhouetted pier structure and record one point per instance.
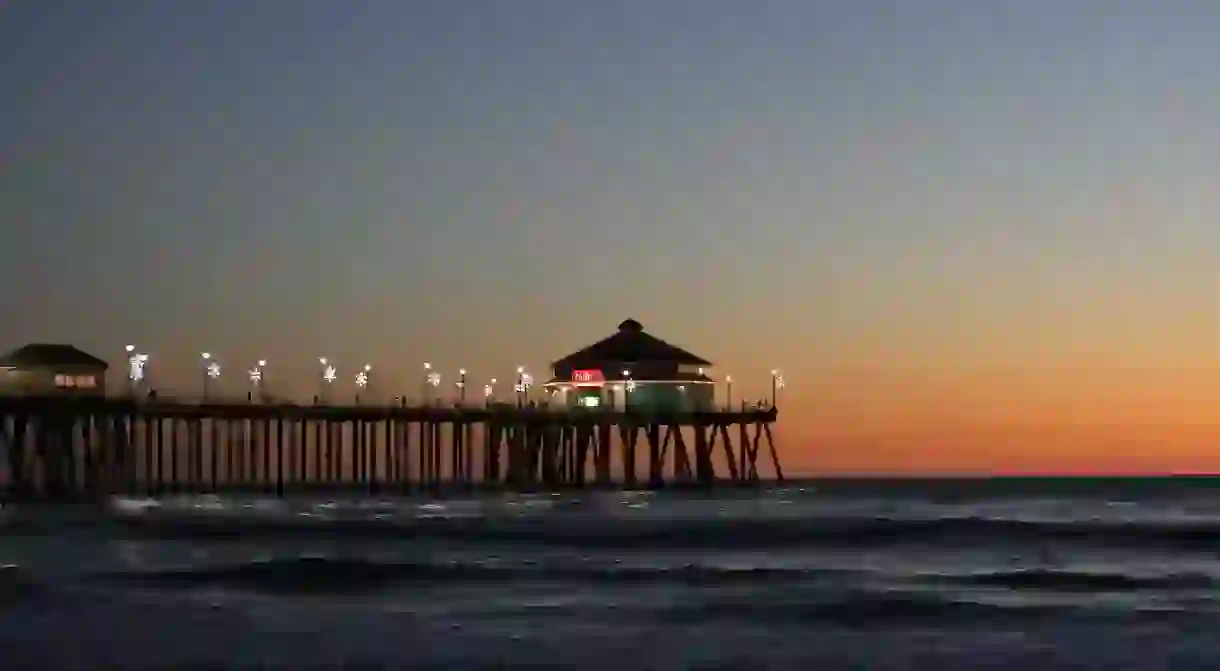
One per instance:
(55, 447)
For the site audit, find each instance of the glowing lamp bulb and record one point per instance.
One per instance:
(205, 355)
(214, 370)
(322, 360)
(728, 378)
(427, 366)
(367, 368)
(262, 363)
(362, 379)
(135, 370)
(130, 348)
(461, 371)
(520, 370)
(330, 374)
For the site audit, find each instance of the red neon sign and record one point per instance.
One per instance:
(588, 377)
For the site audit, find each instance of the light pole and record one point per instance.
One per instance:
(256, 380)
(728, 401)
(629, 387)
(489, 392)
(205, 358)
(362, 381)
(211, 371)
(423, 389)
(329, 375)
(434, 380)
(136, 363)
(461, 385)
(777, 383)
(524, 382)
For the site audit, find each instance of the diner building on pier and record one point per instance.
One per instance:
(634, 370)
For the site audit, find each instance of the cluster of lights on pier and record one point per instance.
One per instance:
(137, 374)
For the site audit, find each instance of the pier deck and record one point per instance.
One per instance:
(58, 448)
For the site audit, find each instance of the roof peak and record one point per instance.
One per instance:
(631, 343)
(631, 326)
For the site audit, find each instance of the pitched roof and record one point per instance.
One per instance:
(50, 355)
(631, 343)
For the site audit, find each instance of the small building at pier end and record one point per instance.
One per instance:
(52, 369)
(633, 370)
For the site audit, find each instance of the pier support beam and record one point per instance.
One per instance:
(52, 448)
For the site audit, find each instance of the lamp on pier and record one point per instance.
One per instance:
(461, 385)
(777, 383)
(211, 372)
(362, 380)
(434, 381)
(629, 387)
(524, 382)
(728, 397)
(489, 392)
(423, 390)
(136, 362)
(329, 375)
(256, 380)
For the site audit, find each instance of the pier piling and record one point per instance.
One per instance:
(56, 448)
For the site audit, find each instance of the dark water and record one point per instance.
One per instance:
(1018, 575)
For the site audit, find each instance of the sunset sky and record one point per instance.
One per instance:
(975, 236)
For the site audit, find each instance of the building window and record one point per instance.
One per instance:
(75, 381)
(591, 401)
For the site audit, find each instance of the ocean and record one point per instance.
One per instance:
(1020, 574)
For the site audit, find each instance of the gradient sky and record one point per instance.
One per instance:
(976, 236)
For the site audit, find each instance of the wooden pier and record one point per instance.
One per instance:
(71, 448)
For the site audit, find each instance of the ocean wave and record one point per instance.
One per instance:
(858, 608)
(1082, 581)
(305, 575)
(738, 533)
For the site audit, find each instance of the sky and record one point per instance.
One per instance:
(976, 237)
